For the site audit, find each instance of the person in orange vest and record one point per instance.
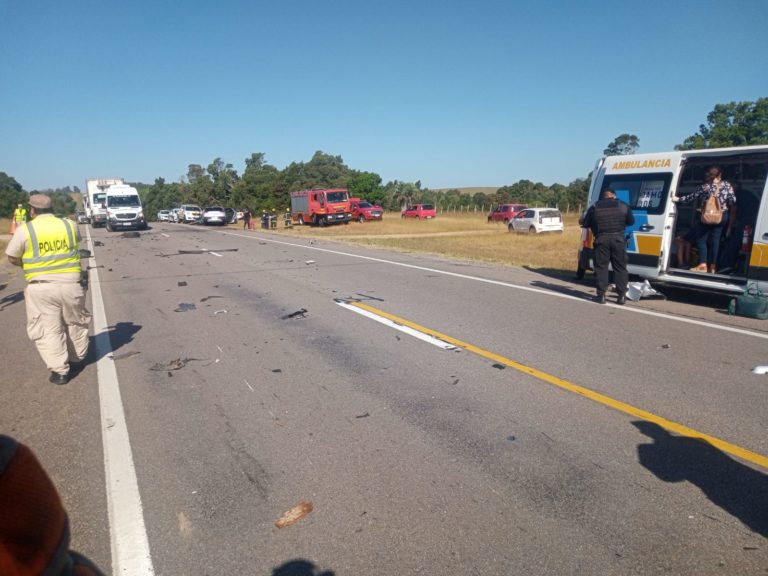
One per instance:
(57, 320)
(34, 528)
(19, 217)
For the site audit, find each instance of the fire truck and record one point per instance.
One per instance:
(321, 207)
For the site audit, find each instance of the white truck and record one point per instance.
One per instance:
(95, 199)
(124, 210)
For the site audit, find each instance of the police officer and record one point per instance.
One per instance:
(607, 219)
(19, 217)
(57, 321)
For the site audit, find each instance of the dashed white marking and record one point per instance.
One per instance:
(214, 253)
(407, 330)
(128, 534)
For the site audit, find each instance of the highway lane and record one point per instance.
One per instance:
(419, 459)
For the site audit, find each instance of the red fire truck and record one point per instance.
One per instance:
(320, 207)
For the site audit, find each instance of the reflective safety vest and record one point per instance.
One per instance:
(20, 215)
(51, 247)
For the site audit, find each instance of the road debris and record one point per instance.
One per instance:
(133, 234)
(277, 371)
(219, 312)
(176, 364)
(98, 243)
(363, 415)
(184, 307)
(302, 313)
(209, 297)
(181, 283)
(124, 355)
(308, 262)
(499, 366)
(665, 346)
(294, 515)
(760, 370)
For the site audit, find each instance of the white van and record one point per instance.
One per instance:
(124, 209)
(647, 183)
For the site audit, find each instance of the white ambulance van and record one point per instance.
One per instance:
(647, 183)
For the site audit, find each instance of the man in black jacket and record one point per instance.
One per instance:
(607, 219)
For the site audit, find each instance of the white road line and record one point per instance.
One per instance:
(406, 329)
(629, 309)
(214, 253)
(128, 534)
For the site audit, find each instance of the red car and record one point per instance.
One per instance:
(363, 211)
(420, 211)
(505, 212)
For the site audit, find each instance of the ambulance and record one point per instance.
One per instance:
(647, 182)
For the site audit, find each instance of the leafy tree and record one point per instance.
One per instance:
(11, 194)
(224, 178)
(733, 124)
(366, 185)
(199, 188)
(622, 145)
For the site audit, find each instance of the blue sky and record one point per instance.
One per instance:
(453, 93)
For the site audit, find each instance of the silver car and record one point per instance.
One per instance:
(214, 215)
(537, 220)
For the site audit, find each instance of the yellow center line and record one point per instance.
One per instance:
(680, 429)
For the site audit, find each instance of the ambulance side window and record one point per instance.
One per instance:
(646, 192)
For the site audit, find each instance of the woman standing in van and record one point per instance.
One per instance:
(713, 185)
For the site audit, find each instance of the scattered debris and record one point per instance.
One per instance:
(133, 234)
(294, 515)
(760, 370)
(124, 355)
(181, 283)
(637, 290)
(277, 371)
(511, 438)
(98, 243)
(665, 346)
(499, 366)
(209, 297)
(456, 381)
(109, 269)
(176, 364)
(92, 267)
(184, 307)
(219, 312)
(298, 314)
(363, 415)
(310, 262)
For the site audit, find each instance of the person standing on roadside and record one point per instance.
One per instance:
(57, 321)
(608, 219)
(246, 218)
(19, 217)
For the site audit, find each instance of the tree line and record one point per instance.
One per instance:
(262, 186)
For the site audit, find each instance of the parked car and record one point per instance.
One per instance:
(164, 216)
(214, 215)
(82, 217)
(190, 213)
(537, 220)
(420, 211)
(505, 212)
(231, 215)
(363, 211)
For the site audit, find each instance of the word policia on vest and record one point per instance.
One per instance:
(53, 245)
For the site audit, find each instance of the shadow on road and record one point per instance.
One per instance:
(560, 289)
(11, 299)
(738, 489)
(119, 335)
(300, 567)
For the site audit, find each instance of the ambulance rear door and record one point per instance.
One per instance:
(645, 182)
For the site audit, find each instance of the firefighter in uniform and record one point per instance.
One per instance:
(608, 219)
(57, 321)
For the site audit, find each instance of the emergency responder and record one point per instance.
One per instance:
(57, 321)
(608, 219)
(19, 217)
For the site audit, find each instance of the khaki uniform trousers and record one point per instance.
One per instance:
(57, 322)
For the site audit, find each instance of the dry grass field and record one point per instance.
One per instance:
(465, 236)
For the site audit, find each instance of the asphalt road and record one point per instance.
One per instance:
(541, 434)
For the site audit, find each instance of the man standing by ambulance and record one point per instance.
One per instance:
(57, 321)
(608, 219)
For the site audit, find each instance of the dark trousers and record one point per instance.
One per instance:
(710, 232)
(611, 248)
